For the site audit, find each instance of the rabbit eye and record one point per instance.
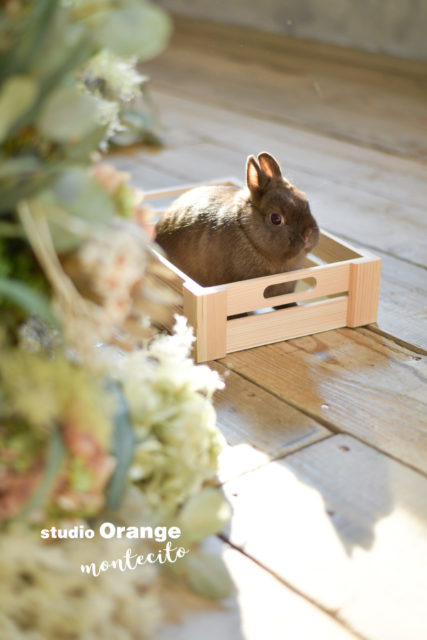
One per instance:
(276, 219)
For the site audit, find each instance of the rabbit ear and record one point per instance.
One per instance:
(269, 165)
(255, 176)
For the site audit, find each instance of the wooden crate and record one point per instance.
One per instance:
(338, 287)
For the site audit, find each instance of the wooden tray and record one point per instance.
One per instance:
(338, 287)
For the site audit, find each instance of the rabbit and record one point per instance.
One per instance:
(222, 234)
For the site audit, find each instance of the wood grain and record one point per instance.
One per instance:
(305, 152)
(283, 324)
(206, 312)
(250, 294)
(344, 525)
(364, 292)
(354, 381)
(283, 613)
(403, 286)
(367, 219)
(337, 520)
(402, 310)
(358, 102)
(257, 426)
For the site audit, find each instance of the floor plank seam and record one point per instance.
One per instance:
(318, 419)
(366, 331)
(401, 343)
(206, 139)
(335, 430)
(300, 47)
(271, 117)
(274, 458)
(379, 249)
(332, 614)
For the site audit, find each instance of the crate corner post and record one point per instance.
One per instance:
(206, 311)
(364, 291)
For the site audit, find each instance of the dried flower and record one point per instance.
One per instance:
(174, 420)
(43, 396)
(44, 596)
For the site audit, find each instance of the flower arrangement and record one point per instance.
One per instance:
(98, 414)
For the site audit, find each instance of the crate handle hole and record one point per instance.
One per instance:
(289, 288)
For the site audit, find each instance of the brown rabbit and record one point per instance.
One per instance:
(223, 234)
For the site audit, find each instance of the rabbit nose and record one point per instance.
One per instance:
(306, 235)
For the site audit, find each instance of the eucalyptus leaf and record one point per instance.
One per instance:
(138, 127)
(80, 152)
(27, 298)
(45, 206)
(68, 115)
(77, 194)
(65, 39)
(29, 36)
(55, 457)
(139, 29)
(208, 575)
(11, 230)
(17, 95)
(82, 196)
(12, 194)
(204, 514)
(124, 444)
(16, 168)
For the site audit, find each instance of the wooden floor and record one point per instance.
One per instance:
(326, 461)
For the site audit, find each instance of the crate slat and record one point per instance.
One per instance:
(283, 324)
(332, 249)
(248, 295)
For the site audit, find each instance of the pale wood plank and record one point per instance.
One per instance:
(402, 310)
(143, 175)
(206, 313)
(254, 330)
(364, 292)
(346, 526)
(368, 219)
(365, 105)
(262, 607)
(332, 249)
(248, 296)
(354, 381)
(257, 426)
(290, 51)
(301, 151)
(403, 286)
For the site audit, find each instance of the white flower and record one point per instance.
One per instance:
(174, 420)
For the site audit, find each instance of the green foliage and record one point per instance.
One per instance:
(24, 289)
(177, 442)
(139, 29)
(50, 117)
(19, 447)
(44, 596)
(123, 447)
(75, 197)
(43, 393)
(27, 298)
(60, 97)
(70, 444)
(208, 575)
(139, 127)
(17, 96)
(54, 459)
(68, 115)
(204, 514)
